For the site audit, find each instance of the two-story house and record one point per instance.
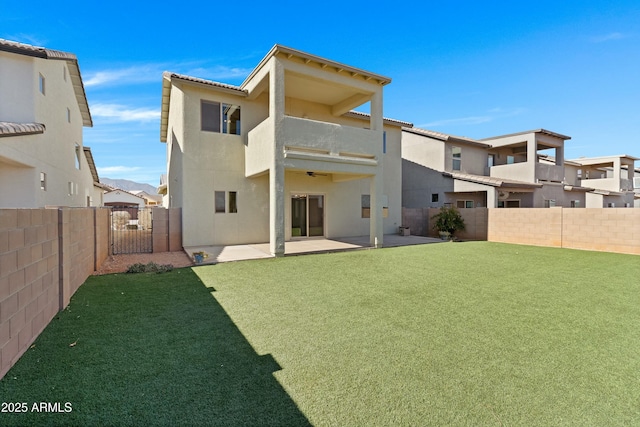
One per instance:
(282, 156)
(43, 108)
(525, 169)
(440, 169)
(535, 156)
(611, 177)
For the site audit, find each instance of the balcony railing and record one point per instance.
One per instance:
(311, 137)
(545, 172)
(329, 137)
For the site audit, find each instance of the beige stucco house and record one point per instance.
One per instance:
(612, 178)
(43, 108)
(282, 156)
(525, 169)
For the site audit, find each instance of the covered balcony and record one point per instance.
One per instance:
(330, 147)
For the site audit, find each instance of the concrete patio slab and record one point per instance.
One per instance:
(216, 254)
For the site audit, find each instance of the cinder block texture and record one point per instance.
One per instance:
(45, 255)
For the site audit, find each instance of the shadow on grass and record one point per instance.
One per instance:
(150, 349)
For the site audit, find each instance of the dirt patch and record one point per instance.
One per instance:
(120, 263)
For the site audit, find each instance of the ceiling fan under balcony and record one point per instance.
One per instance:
(503, 195)
(315, 174)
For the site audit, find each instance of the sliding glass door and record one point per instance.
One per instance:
(307, 215)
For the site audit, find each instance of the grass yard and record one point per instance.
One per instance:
(449, 334)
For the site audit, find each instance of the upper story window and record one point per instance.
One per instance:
(78, 156)
(64, 73)
(41, 84)
(456, 153)
(384, 142)
(68, 115)
(220, 118)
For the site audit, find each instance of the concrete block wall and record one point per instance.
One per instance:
(527, 226)
(597, 229)
(167, 229)
(417, 220)
(45, 255)
(420, 224)
(29, 286)
(609, 230)
(102, 225)
(175, 229)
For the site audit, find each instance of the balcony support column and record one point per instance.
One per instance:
(376, 229)
(276, 171)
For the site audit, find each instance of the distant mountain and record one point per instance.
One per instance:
(126, 185)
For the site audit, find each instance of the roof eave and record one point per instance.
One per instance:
(276, 49)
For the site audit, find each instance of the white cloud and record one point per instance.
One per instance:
(218, 72)
(152, 73)
(493, 114)
(117, 169)
(125, 114)
(608, 37)
(133, 74)
(26, 38)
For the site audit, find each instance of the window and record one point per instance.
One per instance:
(491, 160)
(366, 206)
(78, 156)
(575, 203)
(384, 142)
(511, 160)
(465, 204)
(220, 201)
(456, 152)
(41, 85)
(68, 115)
(435, 197)
(73, 188)
(220, 118)
(549, 203)
(233, 206)
(509, 204)
(64, 73)
(43, 181)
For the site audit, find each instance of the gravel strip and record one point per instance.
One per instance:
(120, 263)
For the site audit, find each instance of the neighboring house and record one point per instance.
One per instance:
(150, 200)
(127, 209)
(525, 169)
(43, 108)
(122, 199)
(612, 177)
(162, 190)
(283, 155)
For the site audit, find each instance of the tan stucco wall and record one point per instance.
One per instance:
(201, 163)
(53, 152)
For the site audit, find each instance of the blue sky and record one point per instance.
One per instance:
(469, 68)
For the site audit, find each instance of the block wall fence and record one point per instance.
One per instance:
(45, 256)
(596, 229)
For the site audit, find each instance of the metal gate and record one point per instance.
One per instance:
(130, 230)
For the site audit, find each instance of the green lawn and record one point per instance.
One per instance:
(450, 334)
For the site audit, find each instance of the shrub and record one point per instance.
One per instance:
(448, 220)
(150, 267)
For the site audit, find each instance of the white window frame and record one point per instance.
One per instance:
(42, 84)
(456, 158)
